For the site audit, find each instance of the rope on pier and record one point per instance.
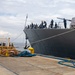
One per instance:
(67, 63)
(64, 61)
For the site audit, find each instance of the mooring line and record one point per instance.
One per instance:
(53, 36)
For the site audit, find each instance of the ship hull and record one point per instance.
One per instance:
(55, 42)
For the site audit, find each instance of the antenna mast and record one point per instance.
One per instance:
(25, 33)
(26, 20)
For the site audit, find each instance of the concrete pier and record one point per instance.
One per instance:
(36, 65)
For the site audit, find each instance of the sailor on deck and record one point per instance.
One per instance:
(65, 23)
(51, 24)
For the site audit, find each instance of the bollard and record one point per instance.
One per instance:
(31, 49)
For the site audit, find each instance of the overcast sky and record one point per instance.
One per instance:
(13, 14)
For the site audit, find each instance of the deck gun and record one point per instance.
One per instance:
(64, 21)
(64, 18)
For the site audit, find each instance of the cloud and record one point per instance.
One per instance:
(53, 3)
(11, 26)
(46, 3)
(13, 13)
(67, 11)
(11, 20)
(69, 1)
(4, 33)
(12, 6)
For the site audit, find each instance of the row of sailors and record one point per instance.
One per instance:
(43, 25)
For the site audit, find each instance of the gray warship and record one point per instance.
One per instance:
(53, 41)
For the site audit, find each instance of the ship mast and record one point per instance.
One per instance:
(25, 33)
(26, 20)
